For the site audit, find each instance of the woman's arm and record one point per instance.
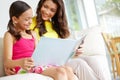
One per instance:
(9, 71)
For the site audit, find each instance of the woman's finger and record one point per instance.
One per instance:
(9, 71)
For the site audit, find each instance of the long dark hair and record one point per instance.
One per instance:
(59, 20)
(16, 9)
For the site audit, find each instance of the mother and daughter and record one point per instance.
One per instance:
(24, 32)
(20, 41)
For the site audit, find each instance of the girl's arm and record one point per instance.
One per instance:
(8, 47)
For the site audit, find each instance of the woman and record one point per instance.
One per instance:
(51, 22)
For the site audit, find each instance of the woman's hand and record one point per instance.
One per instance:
(26, 63)
(9, 71)
(79, 51)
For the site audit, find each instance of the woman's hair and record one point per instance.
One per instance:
(59, 20)
(16, 9)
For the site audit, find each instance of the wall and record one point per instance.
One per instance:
(4, 14)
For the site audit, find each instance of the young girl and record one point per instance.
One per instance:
(20, 42)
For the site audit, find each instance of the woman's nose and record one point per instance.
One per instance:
(47, 12)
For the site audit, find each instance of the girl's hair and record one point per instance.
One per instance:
(16, 9)
(59, 20)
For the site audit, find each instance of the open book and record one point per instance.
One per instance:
(55, 51)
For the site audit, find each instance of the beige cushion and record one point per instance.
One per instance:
(93, 43)
(1, 58)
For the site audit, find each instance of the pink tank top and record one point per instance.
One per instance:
(23, 48)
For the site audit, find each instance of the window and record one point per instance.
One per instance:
(81, 14)
(73, 14)
(109, 15)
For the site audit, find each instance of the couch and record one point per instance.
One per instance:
(93, 45)
(95, 55)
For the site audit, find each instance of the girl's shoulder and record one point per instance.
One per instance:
(34, 34)
(8, 36)
(35, 37)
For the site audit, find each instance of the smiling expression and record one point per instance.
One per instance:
(24, 21)
(48, 9)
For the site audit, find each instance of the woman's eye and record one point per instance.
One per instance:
(53, 10)
(45, 6)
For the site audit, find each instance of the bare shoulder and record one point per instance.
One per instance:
(34, 34)
(7, 35)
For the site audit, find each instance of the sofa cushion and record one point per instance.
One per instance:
(27, 76)
(1, 57)
(94, 43)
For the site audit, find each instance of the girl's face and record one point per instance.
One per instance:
(48, 9)
(24, 21)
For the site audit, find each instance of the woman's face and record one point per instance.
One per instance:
(24, 21)
(48, 9)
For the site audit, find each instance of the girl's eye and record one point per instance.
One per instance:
(26, 19)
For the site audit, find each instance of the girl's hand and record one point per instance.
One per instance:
(26, 63)
(10, 71)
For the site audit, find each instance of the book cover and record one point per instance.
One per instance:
(52, 51)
